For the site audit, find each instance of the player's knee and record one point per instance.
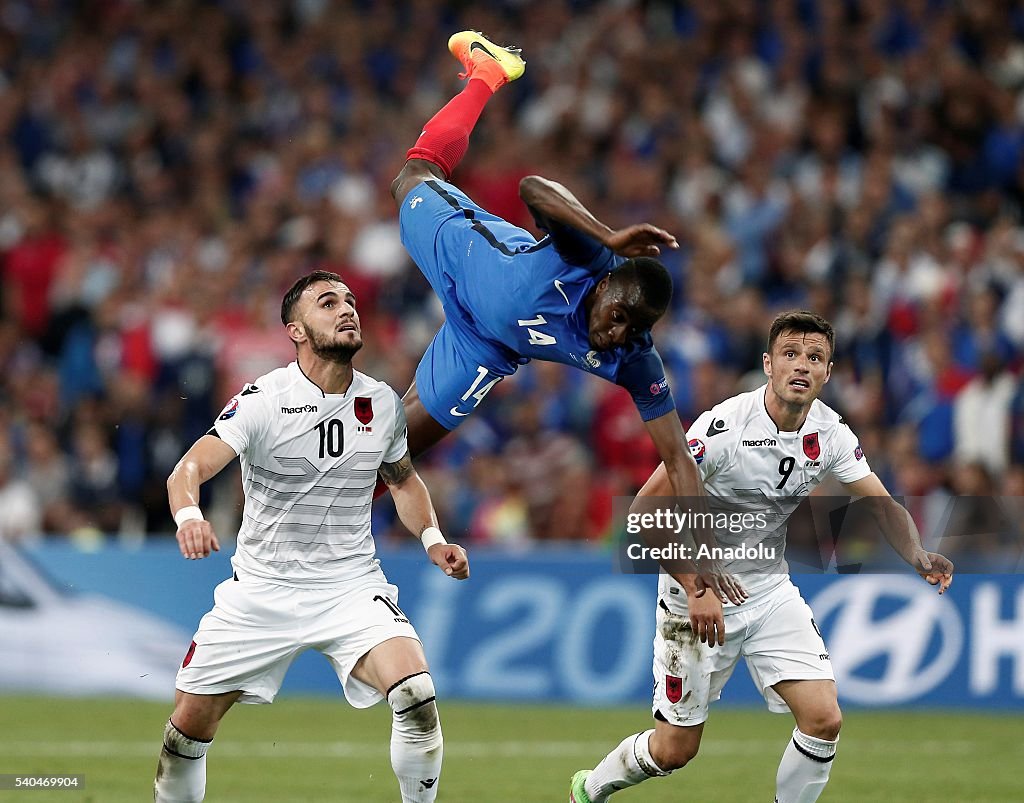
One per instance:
(199, 724)
(413, 702)
(832, 724)
(199, 715)
(824, 724)
(414, 172)
(398, 192)
(674, 752)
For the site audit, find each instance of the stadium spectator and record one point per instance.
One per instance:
(49, 475)
(21, 514)
(981, 417)
(94, 477)
(164, 167)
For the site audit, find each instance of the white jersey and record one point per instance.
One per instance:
(749, 466)
(309, 467)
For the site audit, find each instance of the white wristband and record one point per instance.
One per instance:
(431, 536)
(188, 513)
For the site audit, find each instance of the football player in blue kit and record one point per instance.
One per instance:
(584, 295)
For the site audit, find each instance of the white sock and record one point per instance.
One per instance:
(803, 771)
(417, 745)
(627, 765)
(181, 773)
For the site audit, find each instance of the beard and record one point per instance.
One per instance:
(332, 351)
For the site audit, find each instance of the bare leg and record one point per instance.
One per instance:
(397, 668)
(199, 715)
(673, 746)
(181, 773)
(643, 756)
(807, 760)
(424, 431)
(814, 705)
(414, 172)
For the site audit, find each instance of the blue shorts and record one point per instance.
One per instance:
(450, 237)
(457, 371)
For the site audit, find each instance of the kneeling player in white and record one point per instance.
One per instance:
(758, 452)
(311, 438)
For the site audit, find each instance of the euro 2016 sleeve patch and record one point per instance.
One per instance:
(697, 450)
(229, 411)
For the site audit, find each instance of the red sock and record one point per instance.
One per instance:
(445, 137)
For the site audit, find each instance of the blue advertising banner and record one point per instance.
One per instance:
(544, 625)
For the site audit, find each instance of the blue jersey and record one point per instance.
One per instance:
(509, 298)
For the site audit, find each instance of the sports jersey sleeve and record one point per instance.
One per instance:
(399, 437)
(573, 246)
(643, 375)
(848, 464)
(706, 446)
(244, 419)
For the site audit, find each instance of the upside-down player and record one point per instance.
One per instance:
(584, 295)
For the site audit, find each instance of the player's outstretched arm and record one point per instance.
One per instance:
(681, 479)
(901, 532)
(205, 459)
(706, 615)
(415, 509)
(551, 202)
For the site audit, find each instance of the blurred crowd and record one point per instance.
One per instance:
(168, 169)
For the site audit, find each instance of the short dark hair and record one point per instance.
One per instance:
(653, 286)
(802, 322)
(295, 291)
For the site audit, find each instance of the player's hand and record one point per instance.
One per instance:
(935, 568)
(641, 240)
(451, 559)
(196, 539)
(711, 575)
(706, 618)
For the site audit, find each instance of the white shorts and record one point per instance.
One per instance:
(778, 638)
(256, 629)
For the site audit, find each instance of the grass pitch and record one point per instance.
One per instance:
(322, 750)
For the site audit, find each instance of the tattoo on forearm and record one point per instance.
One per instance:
(395, 473)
